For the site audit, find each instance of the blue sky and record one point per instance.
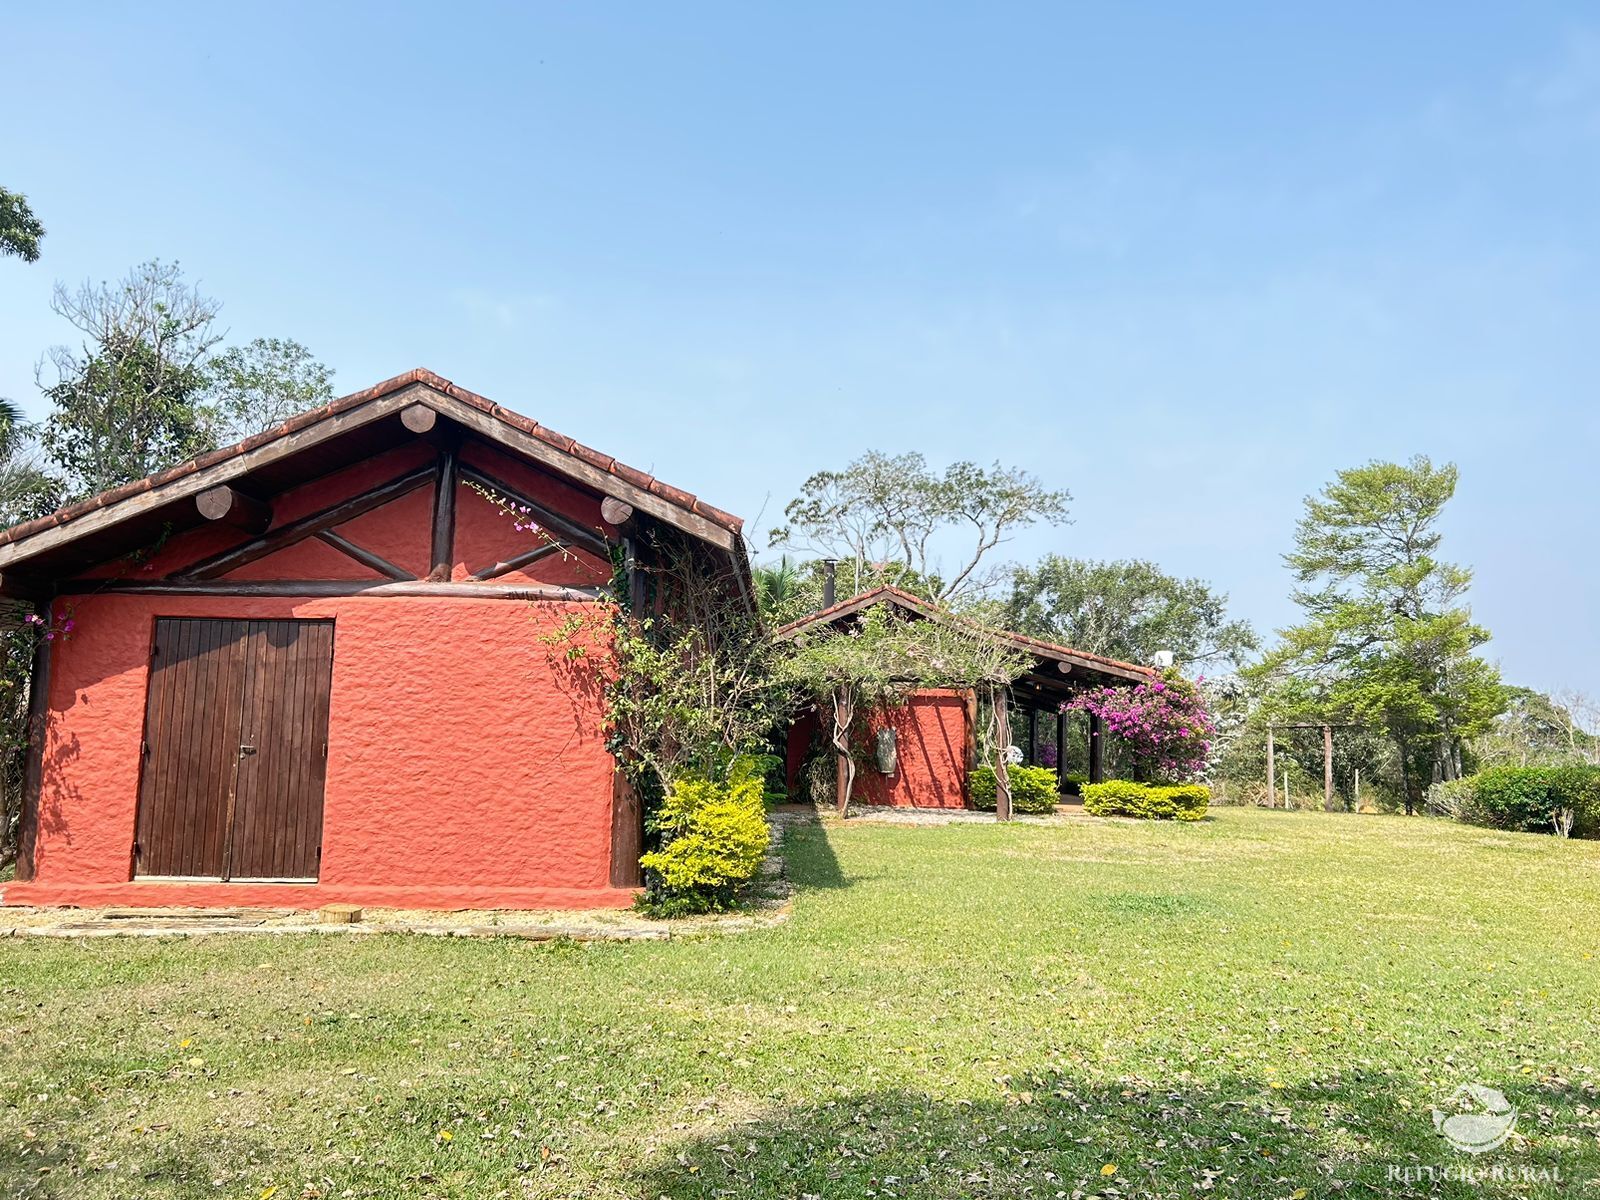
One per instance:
(1186, 261)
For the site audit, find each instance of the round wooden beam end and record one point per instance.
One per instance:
(215, 503)
(616, 512)
(419, 418)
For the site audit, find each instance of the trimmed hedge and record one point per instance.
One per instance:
(1152, 802)
(1528, 799)
(1033, 789)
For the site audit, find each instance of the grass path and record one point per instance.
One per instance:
(1263, 1005)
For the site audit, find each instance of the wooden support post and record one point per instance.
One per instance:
(1061, 751)
(1272, 773)
(33, 772)
(1097, 749)
(969, 755)
(635, 579)
(233, 507)
(1327, 768)
(1002, 743)
(627, 832)
(444, 514)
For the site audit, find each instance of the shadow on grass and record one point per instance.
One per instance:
(1052, 1136)
(809, 858)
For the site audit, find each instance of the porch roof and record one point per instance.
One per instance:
(1058, 673)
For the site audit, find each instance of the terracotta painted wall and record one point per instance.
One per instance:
(466, 768)
(931, 738)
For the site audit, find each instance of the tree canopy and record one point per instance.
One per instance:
(20, 230)
(1127, 610)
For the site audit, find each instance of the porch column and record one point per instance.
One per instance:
(1097, 749)
(1061, 751)
(1002, 798)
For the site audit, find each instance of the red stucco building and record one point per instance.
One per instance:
(309, 668)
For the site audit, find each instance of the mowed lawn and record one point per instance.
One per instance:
(1262, 1005)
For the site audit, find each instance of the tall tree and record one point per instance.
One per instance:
(20, 230)
(128, 401)
(147, 387)
(883, 509)
(1126, 610)
(1387, 638)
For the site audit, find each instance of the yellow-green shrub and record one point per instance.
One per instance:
(1033, 789)
(1124, 798)
(714, 836)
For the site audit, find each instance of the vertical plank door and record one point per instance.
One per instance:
(191, 746)
(236, 742)
(277, 809)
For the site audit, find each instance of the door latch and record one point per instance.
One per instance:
(243, 750)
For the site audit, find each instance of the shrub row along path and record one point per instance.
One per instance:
(1263, 1004)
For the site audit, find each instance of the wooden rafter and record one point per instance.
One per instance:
(308, 526)
(516, 562)
(589, 539)
(363, 556)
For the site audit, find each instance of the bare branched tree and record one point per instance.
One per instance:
(887, 511)
(127, 399)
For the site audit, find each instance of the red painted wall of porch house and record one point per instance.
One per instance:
(930, 738)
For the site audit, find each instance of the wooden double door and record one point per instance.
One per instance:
(235, 750)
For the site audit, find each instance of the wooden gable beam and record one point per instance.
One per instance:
(516, 562)
(231, 468)
(561, 462)
(589, 539)
(309, 526)
(362, 555)
(462, 590)
(419, 418)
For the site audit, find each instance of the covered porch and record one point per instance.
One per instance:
(1072, 743)
(938, 731)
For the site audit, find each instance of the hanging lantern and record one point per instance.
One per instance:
(885, 753)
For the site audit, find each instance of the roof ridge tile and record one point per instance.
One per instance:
(417, 375)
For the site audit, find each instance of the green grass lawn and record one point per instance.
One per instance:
(1262, 1005)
